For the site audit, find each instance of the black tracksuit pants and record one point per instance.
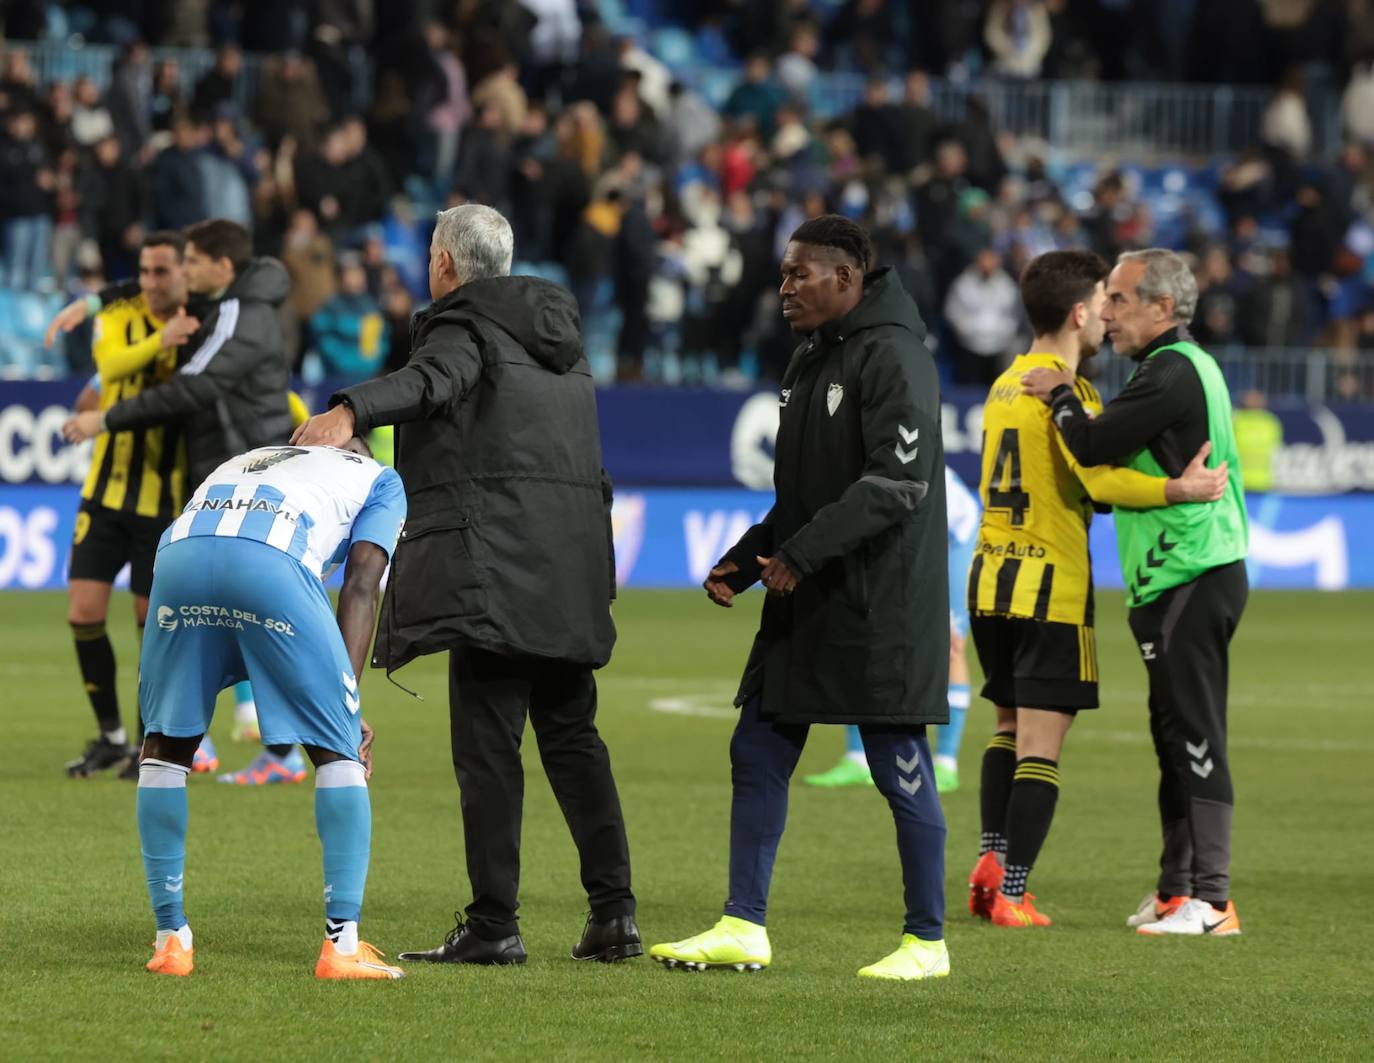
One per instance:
(489, 698)
(1184, 637)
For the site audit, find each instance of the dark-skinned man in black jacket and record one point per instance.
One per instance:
(855, 627)
(506, 562)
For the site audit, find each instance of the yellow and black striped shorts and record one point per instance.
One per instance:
(1036, 664)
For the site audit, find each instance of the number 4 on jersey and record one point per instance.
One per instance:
(1005, 490)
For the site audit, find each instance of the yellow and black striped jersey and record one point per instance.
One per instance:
(143, 470)
(1031, 559)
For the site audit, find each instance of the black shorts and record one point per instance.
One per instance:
(106, 539)
(1035, 664)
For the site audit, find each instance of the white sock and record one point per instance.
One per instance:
(947, 762)
(246, 712)
(117, 737)
(858, 756)
(184, 934)
(344, 934)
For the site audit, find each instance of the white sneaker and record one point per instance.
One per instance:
(1196, 918)
(1152, 910)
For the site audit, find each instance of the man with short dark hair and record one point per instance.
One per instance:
(855, 627)
(1030, 583)
(1184, 568)
(231, 390)
(136, 483)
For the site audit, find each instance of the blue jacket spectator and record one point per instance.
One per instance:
(350, 332)
(178, 180)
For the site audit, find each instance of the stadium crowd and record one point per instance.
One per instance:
(664, 215)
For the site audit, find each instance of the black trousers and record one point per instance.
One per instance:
(489, 698)
(1184, 637)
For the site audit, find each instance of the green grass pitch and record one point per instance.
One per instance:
(75, 926)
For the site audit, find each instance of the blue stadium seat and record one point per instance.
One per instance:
(674, 47)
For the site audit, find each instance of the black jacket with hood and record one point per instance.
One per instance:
(860, 516)
(507, 544)
(230, 391)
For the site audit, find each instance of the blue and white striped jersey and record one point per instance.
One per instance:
(312, 503)
(963, 509)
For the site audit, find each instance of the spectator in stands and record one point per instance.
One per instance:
(876, 125)
(1275, 312)
(449, 108)
(916, 126)
(1357, 103)
(91, 121)
(502, 90)
(168, 99)
(308, 256)
(797, 65)
(1286, 126)
(324, 185)
(756, 97)
(130, 100)
(291, 103)
(1216, 321)
(986, 167)
(655, 80)
(367, 173)
(228, 174)
(349, 331)
(398, 305)
(1100, 223)
(937, 198)
(633, 270)
(18, 86)
(691, 125)
(1018, 34)
(217, 87)
(55, 118)
(484, 161)
(27, 178)
(177, 179)
(983, 311)
(113, 206)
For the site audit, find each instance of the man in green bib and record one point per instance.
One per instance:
(1184, 568)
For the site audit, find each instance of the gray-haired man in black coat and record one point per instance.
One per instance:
(506, 560)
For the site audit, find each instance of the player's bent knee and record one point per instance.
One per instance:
(320, 757)
(158, 746)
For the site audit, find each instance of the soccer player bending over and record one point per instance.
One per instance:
(238, 593)
(1030, 583)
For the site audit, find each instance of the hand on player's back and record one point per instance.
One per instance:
(179, 329)
(1041, 380)
(333, 428)
(1198, 483)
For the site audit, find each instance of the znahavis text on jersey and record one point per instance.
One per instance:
(311, 503)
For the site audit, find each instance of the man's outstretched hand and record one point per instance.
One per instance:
(717, 589)
(68, 318)
(333, 428)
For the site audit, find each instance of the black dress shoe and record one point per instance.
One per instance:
(609, 941)
(463, 946)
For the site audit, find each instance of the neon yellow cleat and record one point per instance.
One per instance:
(734, 943)
(246, 731)
(848, 772)
(914, 959)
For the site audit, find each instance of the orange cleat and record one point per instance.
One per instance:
(365, 963)
(172, 958)
(983, 883)
(1196, 918)
(1005, 913)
